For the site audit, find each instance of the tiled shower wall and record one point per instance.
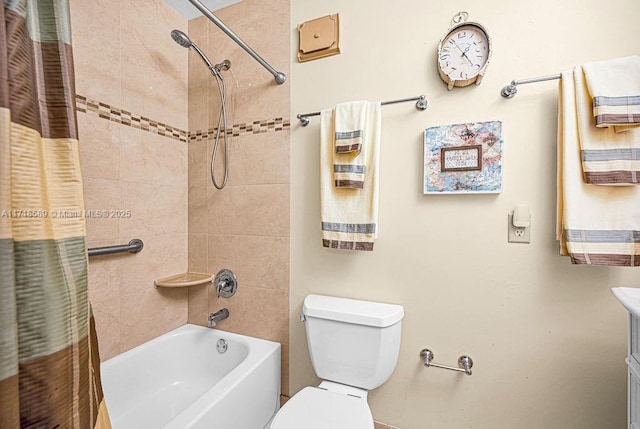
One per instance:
(245, 226)
(145, 124)
(132, 116)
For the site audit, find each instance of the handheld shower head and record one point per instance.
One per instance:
(181, 39)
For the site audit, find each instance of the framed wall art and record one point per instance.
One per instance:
(463, 158)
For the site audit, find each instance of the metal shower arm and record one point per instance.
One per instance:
(279, 76)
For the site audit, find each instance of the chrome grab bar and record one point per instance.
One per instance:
(465, 362)
(134, 246)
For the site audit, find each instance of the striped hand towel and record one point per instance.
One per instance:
(348, 165)
(350, 218)
(349, 123)
(608, 158)
(596, 225)
(614, 86)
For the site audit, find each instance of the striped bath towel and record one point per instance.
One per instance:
(597, 225)
(614, 86)
(608, 158)
(350, 217)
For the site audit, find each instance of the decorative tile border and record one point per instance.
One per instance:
(120, 116)
(257, 127)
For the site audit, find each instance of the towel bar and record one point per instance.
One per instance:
(465, 362)
(510, 90)
(421, 104)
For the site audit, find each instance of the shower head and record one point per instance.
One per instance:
(181, 39)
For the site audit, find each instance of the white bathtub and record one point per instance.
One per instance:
(180, 381)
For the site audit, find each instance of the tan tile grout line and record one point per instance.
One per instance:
(120, 116)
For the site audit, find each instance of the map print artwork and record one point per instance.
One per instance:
(463, 158)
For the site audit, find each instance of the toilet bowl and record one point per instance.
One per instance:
(354, 348)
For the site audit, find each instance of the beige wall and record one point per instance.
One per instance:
(126, 61)
(547, 338)
(245, 226)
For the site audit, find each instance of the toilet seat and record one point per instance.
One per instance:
(316, 408)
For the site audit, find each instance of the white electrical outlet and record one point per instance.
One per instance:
(518, 235)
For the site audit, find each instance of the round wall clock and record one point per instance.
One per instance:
(463, 52)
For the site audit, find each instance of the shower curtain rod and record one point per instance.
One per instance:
(279, 76)
(510, 90)
(421, 104)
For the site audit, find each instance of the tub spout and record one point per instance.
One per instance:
(215, 318)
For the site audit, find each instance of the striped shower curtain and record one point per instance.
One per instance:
(49, 363)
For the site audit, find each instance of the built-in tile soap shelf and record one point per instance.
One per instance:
(184, 280)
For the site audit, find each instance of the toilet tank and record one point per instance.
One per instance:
(352, 342)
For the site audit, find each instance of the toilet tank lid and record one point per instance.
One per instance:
(354, 311)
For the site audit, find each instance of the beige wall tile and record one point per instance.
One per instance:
(267, 99)
(154, 67)
(108, 317)
(249, 210)
(199, 73)
(252, 84)
(256, 312)
(198, 254)
(241, 13)
(161, 256)
(96, 49)
(100, 196)
(198, 164)
(274, 49)
(199, 104)
(99, 147)
(198, 305)
(260, 159)
(257, 261)
(152, 158)
(198, 216)
(214, 103)
(150, 313)
(198, 27)
(104, 276)
(155, 209)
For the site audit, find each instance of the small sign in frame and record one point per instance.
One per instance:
(461, 158)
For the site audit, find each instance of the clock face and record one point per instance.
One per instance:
(464, 52)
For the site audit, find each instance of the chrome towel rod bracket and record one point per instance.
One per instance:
(510, 90)
(421, 104)
(465, 362)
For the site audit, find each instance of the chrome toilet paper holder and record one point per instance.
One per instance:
(465, 363)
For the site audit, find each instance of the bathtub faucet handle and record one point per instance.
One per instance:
(226, 283)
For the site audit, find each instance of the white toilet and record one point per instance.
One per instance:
(354, 348)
